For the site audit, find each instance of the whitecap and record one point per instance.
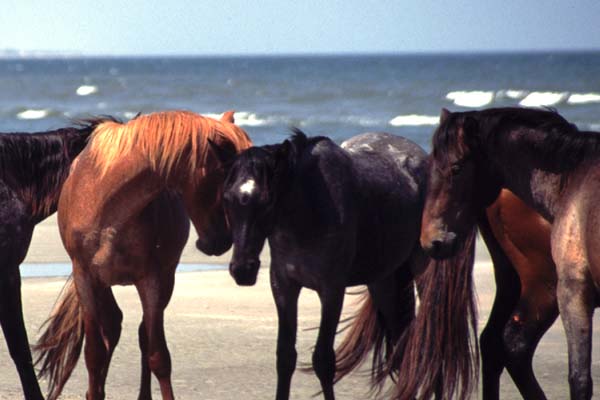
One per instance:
(515, 94)
(33, 114)
(242, 118)
(414, 120)
(130, 114)
(476, 98)
(543, 99)
(584, 98)
(85, 90)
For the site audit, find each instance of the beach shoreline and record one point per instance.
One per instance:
(222, 337)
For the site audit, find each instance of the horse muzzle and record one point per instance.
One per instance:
(441, 246)
(245, 273)
(214, 247)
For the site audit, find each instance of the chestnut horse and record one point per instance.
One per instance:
(33, 168)
(122, 218)
(525, 305)
(553, 167)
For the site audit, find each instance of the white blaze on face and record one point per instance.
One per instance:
(248, 186)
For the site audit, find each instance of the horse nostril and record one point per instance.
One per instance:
(436, 246)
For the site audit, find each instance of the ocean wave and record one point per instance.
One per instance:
(86, 90)
(243, 118)
(414, 120)
(543, 99)
(584, 98)
(360, 120)
(33, 114)
(513, 94)
(475, 98)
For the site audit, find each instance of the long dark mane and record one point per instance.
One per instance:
(34, 165)
(551, 138)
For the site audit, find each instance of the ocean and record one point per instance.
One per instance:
(335, 96)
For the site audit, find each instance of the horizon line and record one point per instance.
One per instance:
(8, 53)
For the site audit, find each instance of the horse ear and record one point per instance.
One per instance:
(444, 115)
(225, 154)
(470, 127)
(228, 117)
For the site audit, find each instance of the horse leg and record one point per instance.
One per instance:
(491, 341)
(155, 293)
(285, 294)
(145, 384)
(394, 299)
(332, 300)
(15, 241)
(13, 326)
(102, 326)
(576, 303)
(534, 315)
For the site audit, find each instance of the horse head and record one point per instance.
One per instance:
(459, 183)
(203, 192)
(257, 179)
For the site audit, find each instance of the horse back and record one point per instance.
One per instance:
(391, 173)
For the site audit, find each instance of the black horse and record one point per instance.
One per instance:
(342, 216)
(33, 167)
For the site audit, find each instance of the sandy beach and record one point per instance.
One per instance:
(222, 337)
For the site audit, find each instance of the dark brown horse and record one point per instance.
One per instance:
(555, 169)
(33, 168)
(123, 217)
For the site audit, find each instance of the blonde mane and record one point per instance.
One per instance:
(165, 138)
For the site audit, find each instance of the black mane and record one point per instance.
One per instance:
(550, 136)
(34, 165)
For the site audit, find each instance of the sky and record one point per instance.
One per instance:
(240, 27)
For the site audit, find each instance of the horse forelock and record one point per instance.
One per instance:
(165, 139)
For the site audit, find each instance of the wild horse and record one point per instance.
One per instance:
(122, 217)
(554, 168)
(525, 305)
(33, 168)
(341, 216)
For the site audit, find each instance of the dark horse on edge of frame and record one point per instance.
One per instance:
(124, 218)
(341, 216)
(555, 169)
(33, 168)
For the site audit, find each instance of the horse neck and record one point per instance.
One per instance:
(533, 174)
(36, 165)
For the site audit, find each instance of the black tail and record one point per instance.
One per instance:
(441, 355)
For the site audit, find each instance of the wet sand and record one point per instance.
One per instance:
(222, 337)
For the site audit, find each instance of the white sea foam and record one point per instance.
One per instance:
(85, 90)
(515, 94)
(476, 98)
(414, 120)
(242, 118)
(33, 114)
(130, 114)
(584, 98)
(543, 99)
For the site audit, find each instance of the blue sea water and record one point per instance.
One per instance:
(337, 96)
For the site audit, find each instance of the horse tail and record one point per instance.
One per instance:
(365, 332)
(439, 354)
(59, 347)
